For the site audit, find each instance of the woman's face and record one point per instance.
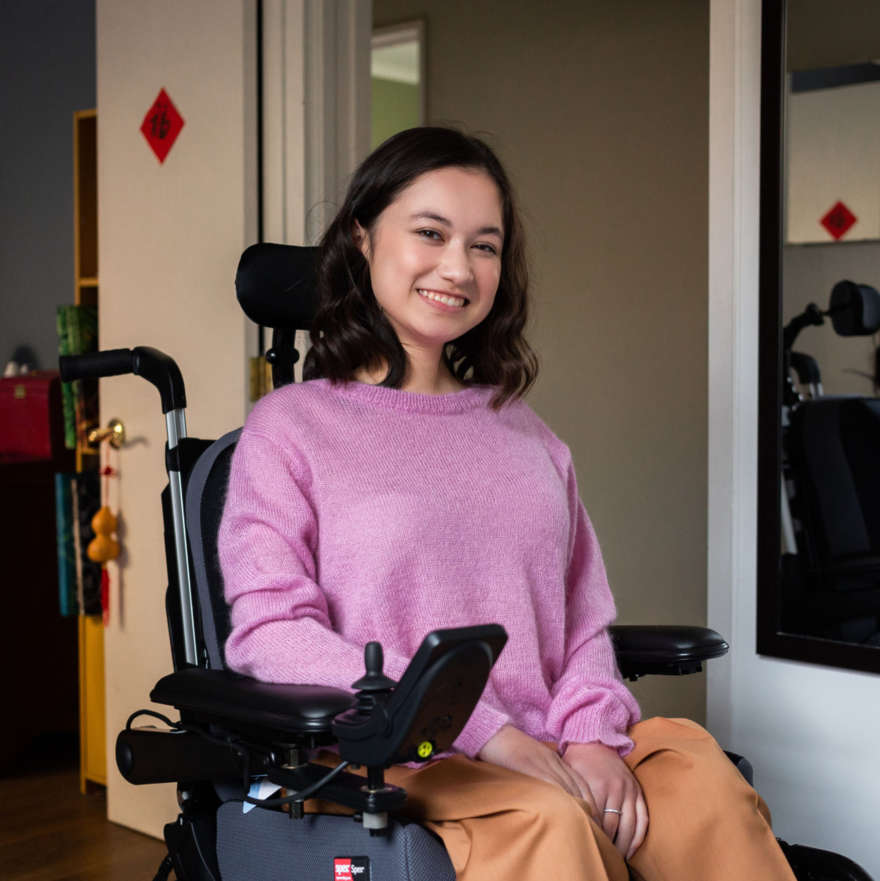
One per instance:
(435, 256)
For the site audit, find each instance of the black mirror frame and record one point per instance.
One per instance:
(770, 641)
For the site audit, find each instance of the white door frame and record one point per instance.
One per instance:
(734, 129)
(316, 110)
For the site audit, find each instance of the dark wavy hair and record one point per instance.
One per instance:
(350, 331)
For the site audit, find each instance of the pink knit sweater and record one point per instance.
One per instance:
(357, 512)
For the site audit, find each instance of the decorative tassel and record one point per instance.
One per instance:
(103, 546)
(105, 595)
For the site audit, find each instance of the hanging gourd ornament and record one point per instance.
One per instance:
(103, 546)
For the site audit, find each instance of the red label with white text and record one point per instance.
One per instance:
(351, 869)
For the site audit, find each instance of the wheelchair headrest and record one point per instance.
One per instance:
(276, 285)
(854, 309)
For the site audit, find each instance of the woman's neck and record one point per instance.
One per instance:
(425, 376)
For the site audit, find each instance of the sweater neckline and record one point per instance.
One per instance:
(412, 402)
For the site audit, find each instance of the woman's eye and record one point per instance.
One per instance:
(429, 234)
(489, 249)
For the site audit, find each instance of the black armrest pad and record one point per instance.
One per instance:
(222, 694)
(666, 649)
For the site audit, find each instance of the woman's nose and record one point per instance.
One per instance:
(456, 265)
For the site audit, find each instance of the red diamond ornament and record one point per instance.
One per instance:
(838, 221)
(162, 125)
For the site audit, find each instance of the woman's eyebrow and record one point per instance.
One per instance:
(439, 218)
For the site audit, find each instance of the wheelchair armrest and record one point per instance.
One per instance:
(253, 727)
(224, 695)
(670, 650)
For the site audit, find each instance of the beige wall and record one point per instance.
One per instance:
(600, 112)
(170, 236)
(830, 156)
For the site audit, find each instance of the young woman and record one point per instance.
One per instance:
(411, 488)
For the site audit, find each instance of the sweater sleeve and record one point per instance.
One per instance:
(280, 624)
(589, 699)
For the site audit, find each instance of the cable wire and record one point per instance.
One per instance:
(155, 715)
(244, 755)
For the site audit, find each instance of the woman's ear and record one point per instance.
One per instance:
(361, 239)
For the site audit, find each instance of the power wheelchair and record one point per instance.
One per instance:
(234, 732)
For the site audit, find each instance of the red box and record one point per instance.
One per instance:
(31, 418)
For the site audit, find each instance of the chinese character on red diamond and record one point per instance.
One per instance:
(839, 220)
(162, 125)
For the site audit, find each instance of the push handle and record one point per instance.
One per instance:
(156, 367)
(113, 362)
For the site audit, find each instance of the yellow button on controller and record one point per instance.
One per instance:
(425, 749)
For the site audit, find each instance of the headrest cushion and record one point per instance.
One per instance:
(276, 285)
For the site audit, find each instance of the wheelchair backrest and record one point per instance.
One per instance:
(834, 445)
(276, 287)
(205, 496)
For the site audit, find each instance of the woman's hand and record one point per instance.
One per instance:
(511, 748)
(614, 789)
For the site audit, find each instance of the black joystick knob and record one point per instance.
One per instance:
(375, 679)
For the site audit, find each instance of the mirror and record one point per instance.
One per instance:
(832, 166)
(819, 417)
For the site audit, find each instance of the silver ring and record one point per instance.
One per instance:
(611, 811)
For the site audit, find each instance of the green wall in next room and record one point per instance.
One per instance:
(395, 107)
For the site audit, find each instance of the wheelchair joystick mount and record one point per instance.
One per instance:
(374, 689)
(414, 719)
(374, 679)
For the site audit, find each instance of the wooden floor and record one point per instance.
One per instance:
(50, 832)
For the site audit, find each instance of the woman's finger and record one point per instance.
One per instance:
(611, 821)
(556, 772)
(641, 829)
(611, 806)
(627, 826)
(572, 785)
(585, 793)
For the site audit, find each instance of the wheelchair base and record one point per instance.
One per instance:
(812, 864)
(214, 840)
(267, 845)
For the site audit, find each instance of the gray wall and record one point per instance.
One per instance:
(823, 34)
(47, 70)
(600, 111)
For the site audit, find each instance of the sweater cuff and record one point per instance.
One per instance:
(583, 730)
(485, 722)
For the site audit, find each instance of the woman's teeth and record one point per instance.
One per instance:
(442, 298)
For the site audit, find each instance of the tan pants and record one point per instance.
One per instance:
(706, 823)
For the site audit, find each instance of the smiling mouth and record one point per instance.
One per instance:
(445, 299)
